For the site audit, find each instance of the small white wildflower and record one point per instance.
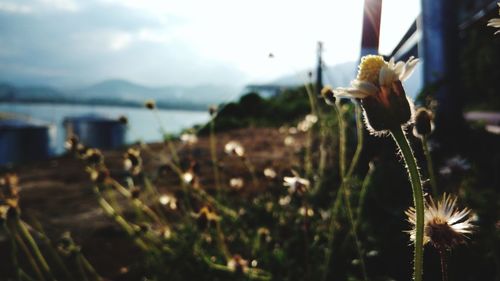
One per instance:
(234, 148)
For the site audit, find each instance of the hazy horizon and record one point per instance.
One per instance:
(70, 44)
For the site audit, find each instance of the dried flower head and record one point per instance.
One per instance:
(123, 119)
(495, 23)
(378, 86)
(237, 264)
(328, 95)
(234, 148)
(212, 110)
(423, 123)
(132, 161)
(296, 184)
(72, 144)
(100, 175)
(205, 218)
(150, 104)
(9, 191)
(93, 156)
(445, 226)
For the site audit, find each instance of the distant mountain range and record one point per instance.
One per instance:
(125, 93)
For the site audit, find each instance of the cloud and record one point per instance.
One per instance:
(15, 8)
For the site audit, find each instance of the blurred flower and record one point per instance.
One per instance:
(150, 104)
(453, 165)
(303, 211)
(264, 234)
(169, 201)
(283, 201)
(445, 226)
(270, 173)
(237, 264)
(308, 122)
(132, 161)
(296, 184)
(423, 123)
(188, 177)
(236, 183)
(293, 130)
(378, 86)
(289, 141)
(189, 139)
(495, 23)
(234, 148)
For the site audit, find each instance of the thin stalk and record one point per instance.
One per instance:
(306, 243)
(13, 252)
(362, 195)
(418, 199)
(39, 232)
(36, 250)
(251, 169)
(86, 264)
(444, 267)
(331, 231)
(213, 154)
(359, 146)
(354, 234)
(430, 166)
(25, 276)
(342, 141)
(108, 209)
(30, 257)
(170, 145)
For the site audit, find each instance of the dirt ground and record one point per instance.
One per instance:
(57, 193)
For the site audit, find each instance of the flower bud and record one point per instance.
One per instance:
(388, 110)
(423, 123)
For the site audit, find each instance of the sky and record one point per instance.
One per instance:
(69, 43)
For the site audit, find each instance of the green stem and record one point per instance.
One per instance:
(35, 248)
(362, 195)
(30, 257)
(13, 251)
(354, 234)
(359, 146)
(213, 154)
(342, 141)
(430, 166)
(418, 199)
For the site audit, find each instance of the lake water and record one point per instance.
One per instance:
(143, 125)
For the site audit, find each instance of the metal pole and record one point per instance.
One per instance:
(372, 14)
(319, 70)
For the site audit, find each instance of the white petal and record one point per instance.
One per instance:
(351, 93)
(365, 86)
(408, 69)
(386, 76)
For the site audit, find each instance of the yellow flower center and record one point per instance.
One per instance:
(369, 68)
